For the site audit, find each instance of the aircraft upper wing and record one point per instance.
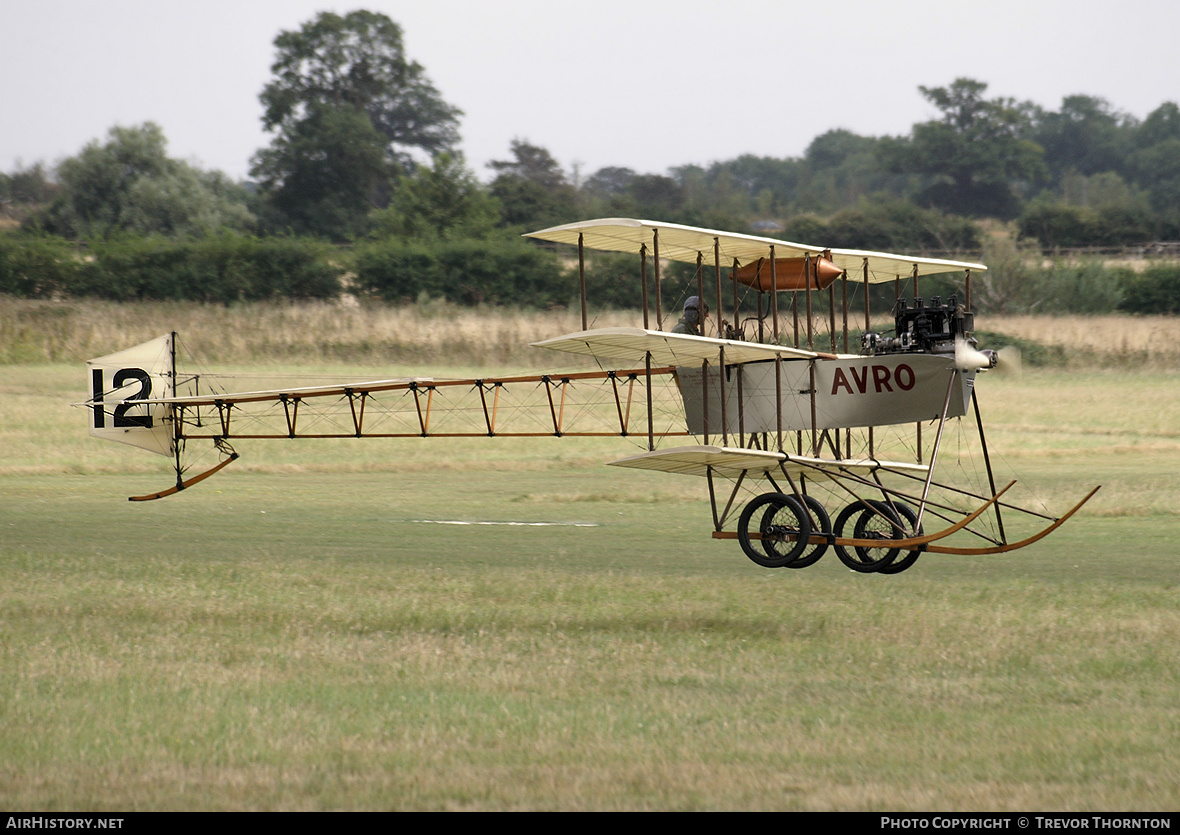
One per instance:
(683, 243)
(631, 345)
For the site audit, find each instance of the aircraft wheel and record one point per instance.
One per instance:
(880, 522)
(842, 528)
(784, 527)
(911, 518)
(821, 523)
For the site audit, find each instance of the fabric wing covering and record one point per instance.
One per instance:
(683, 243)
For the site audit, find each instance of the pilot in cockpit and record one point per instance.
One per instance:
(693, 320)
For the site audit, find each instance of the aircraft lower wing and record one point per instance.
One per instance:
(732, 461)
(632, 345)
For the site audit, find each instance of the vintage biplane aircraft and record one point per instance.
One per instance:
(845, 446)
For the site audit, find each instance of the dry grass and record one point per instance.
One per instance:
(437, 332)
(1112, 341)
(32, 331)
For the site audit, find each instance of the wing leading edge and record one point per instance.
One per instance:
(633, 344)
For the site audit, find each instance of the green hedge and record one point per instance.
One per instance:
(463, 271)
(1056, 225)
(1155, 290)
(229, 268)
(221, 269)
(37, 267)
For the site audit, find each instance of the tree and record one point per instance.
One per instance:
(1156, 165)
(1161, 124)
(834, 147)
(1158, 169)
(358, 62)
(325, 173)
(970, 157)
(533, 163)
(1086, 136)
(443, 200)
(656, 195)
(532, 189)
(757, 175)
(349, 112)
(887, 224)
(130, 184)
(25, 188)
(840, 168)
(611, 181)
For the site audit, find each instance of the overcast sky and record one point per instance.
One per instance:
(646, 84)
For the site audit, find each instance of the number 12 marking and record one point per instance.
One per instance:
(120, 417)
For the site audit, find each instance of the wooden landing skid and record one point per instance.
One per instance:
(923, 542)
(1012, 546)
(181, 485)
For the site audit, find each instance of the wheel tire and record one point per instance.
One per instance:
(786, 528)
(820, 523)
(849, 515)
(879, 522)
(781, 517)
(910, 517)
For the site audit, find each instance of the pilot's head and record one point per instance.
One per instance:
(695, 310)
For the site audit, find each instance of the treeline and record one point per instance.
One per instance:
(1085, 175)
(361, 190)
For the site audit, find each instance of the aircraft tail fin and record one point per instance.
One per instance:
(119, 382)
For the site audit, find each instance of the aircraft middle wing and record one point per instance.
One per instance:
(633, 344)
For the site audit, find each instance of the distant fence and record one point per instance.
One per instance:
(1163, 250)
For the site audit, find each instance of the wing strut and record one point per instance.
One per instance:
(946, 406)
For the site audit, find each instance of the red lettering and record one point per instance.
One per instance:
(883, 379)
(838, 380)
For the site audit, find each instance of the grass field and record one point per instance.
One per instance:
(311, 629)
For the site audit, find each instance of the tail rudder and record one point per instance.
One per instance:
(120, 383)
